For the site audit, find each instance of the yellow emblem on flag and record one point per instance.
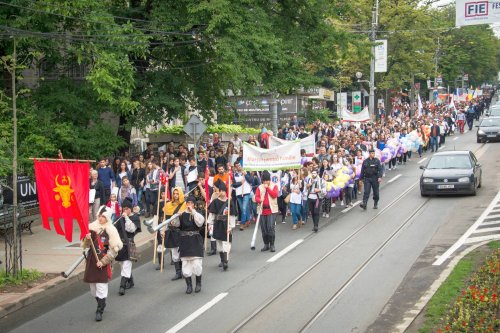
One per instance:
(63, 191)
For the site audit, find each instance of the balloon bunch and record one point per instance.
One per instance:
(343, 177)
(411, 142)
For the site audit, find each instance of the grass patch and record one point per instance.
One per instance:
(448, 292)
(26, 275)
(468, 300)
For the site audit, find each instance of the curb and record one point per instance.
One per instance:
(412, 313)
(53, 286)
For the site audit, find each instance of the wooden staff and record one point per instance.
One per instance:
(205, 241)
(157, 214)
(162, 250)
(229, 192)
(93, 248)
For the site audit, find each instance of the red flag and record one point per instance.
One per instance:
(229, 180)
(207, 191)
(63, 192)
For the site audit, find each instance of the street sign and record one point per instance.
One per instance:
(439, 80)
(356, 101)
(466, 77)
(195, 128)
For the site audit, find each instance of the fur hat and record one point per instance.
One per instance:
(220, 185)
(266, 176)
(106, 212)
(191, 198)
(127, 203)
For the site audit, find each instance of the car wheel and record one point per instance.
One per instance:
(479, 140)
(474, 192)
(480, 180)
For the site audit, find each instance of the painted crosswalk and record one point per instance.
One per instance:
(486, 227)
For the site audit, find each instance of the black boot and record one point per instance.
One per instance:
(271, 241)
(375, 205)
(178, 271)
(197, 289)
(123, 283)
(101, 304)
(189, 284)
(363, 205)
(159, 254)
(224, 261)
(221, 254)
(213, 248)
(266, 243)
(130, 282)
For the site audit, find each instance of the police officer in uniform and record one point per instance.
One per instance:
(371, 173)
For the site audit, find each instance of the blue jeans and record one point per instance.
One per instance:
(245, 213)
(139, 198)
(305, 211)
(296, 212)
(434, 143)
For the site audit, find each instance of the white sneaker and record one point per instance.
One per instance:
(327, 215)
(324, 214)
(341, 203)
(333, 204)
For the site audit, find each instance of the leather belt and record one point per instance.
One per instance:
(189, 233)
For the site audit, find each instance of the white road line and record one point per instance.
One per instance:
(422, 160)
(455, 139)
(481, 151)
(349, 208)
(491, 223)
(285, 250)
(469, 232)
(394, 178)
(197, 313)
(481, 239)
(443, 146)
(481, 230)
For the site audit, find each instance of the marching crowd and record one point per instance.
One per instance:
(208, 195)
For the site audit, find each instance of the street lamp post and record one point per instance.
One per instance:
(371, 106)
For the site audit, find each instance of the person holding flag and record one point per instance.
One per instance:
(105, 243)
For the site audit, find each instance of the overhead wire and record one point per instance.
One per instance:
(160, 32)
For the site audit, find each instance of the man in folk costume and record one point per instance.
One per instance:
(218, 221)
(176, 205)
(200, 193)
(128, 226)
(267, 206)
(191, 244)
(107, 243)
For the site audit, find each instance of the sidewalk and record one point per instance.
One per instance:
(49, 252)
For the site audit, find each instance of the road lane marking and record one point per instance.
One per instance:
(481, 151)
(349, 208)
(462, 240)
(481, 239)
(422, 160)
(482, 230)
(441, 147)
(394, 178)
(285, 250)
(455, 139)
(197, 313)
(491, 223)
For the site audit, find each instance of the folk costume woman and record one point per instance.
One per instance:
(107, 244)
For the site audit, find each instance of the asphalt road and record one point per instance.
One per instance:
(357, 274)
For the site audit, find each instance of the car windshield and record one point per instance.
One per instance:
(449, 162)
(489, 122)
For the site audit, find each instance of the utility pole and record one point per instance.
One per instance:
(412, 93)
(15, 266)
(274, 114)
(371, 105)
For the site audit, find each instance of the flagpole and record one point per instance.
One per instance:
(157, 214)
(61, 160)
(229, 192)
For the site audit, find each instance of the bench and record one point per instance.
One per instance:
(25, 218)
